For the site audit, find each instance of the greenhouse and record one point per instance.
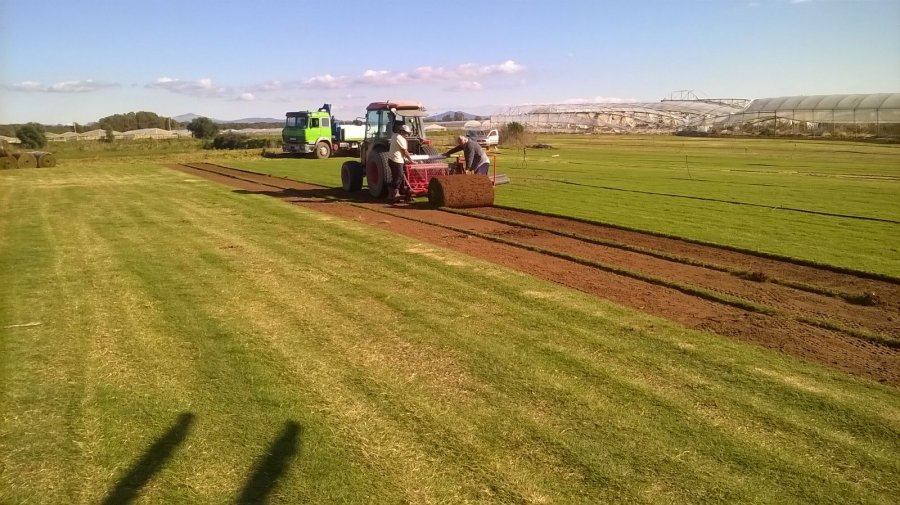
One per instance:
(860, 115)
(679, 109)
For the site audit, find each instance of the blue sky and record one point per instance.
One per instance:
(65, 61)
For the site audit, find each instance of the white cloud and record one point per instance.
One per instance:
(246, 97)
(270, 86)
(85, 86)
(465, 86)
(382, 78)
(200, 88)
(465, 75)
(79, 86)
(326, 81)
(25, 86)
(800, 1)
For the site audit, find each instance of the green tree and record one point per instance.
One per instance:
(135, 121)
(32, 135)
(203, 128)
(459, 116)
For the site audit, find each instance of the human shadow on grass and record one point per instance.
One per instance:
(153, 460)
(272, 466)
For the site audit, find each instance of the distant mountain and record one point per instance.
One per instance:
(187, 118)
(440, 117)
(252, 120)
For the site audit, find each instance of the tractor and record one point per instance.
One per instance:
(429, 172)
(381, 122)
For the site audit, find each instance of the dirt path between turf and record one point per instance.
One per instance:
(844, 319)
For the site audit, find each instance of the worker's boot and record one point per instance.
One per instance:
(393, 195)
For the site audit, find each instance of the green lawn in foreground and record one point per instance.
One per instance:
(746, 193)
(171, 338)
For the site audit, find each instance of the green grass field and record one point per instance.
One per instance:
(169, 339)
(835, 203)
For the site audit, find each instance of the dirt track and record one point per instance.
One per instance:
(803, 310)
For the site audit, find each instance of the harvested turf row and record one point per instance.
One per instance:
(738, 272)
(862, 322)
(707, 294)
(810, 341)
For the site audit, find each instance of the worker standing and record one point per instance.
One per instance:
(476, 159)
(398, 154)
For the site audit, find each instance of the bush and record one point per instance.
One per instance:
(513, 134)
(232, 140)
(32, 135)
(203, 128)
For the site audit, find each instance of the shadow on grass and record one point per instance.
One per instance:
(272, 466)
(153, 460)
(334, 195)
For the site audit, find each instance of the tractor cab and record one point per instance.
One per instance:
(382, 121)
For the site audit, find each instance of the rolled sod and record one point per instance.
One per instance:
(44, 159)
(26, 160)
(8, 161)
(461, 191)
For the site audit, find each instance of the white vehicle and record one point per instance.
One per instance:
(485, 139)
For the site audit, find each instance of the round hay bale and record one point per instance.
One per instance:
(461, 191)
(44, 159)
(8, 161)
(4, 148)
(26, 160)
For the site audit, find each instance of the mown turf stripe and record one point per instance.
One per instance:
(716, 200)
(684, 288)
(762, 254)
(744, 274)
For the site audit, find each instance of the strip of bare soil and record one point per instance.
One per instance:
(838, 336)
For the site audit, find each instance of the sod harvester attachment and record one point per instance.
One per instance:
(428, 174)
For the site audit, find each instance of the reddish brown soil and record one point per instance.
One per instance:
(845, 349)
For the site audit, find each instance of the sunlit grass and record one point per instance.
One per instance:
(168, 337)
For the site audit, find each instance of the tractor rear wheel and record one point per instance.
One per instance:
(323, 150)
(378, 173)
(352, 176)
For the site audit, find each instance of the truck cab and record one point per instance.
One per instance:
(318, 132)
(304, 129)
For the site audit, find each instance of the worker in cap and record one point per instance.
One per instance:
(476, 159)
(398, 155)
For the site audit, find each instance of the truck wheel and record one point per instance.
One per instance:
(378, 173)
(323, 150)
(352, 176)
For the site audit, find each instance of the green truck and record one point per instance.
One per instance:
(318, 132)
